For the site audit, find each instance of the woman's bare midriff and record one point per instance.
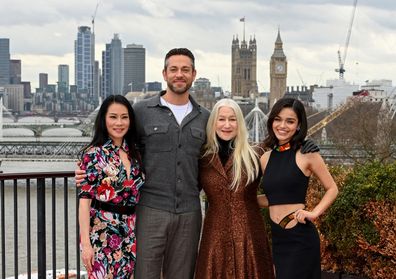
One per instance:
(279, 211)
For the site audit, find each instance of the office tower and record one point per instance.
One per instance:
(113, 68)
(153, 86)
(84, 59)
(63, 78)
(96, 82)
(203, 93)
(202, 84)
(244, 68)
(27, 89)
(13, 99)
(4, 61)
(278, 72)
(15, 71)
(134, 68)
(27, 95)
(43, 81)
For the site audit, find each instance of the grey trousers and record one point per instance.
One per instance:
(167, 243)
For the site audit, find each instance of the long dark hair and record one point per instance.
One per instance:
(101, 134)
(271, 141)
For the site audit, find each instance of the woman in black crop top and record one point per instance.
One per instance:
(286, 172)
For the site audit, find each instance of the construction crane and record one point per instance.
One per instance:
(341, 60)
(299, 75)
(93, 17)
(321, 124)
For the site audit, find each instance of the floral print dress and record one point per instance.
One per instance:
(112, 234)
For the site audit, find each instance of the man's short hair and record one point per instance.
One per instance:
(180, 51)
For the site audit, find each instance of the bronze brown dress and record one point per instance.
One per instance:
(234, 240)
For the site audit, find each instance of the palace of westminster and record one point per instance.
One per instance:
(244, 86)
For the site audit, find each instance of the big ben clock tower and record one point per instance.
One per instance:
(278, 72)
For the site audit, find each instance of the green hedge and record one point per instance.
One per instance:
(353, 228)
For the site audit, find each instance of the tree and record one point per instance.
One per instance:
(365, 132)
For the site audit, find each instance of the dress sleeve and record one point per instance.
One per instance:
(91, 163)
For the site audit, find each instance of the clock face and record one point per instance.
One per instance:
(279, 68)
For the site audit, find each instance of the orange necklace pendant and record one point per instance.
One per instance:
(283, 147)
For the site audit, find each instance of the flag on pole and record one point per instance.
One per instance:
(242, 19)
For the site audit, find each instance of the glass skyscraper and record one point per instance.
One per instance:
(4, 61)
(63, 78)
(113, 68)
(134, 67)
(84, 59)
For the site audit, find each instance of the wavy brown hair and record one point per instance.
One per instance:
(271, 140)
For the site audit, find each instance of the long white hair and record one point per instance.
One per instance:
(245, 159)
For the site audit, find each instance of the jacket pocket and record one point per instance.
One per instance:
(196, 139)
(158, 138)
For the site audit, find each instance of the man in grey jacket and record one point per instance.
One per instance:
(171, 130)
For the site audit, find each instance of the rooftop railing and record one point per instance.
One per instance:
(38, 225)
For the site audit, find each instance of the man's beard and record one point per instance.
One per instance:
(179, 90)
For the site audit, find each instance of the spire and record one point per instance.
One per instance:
(278, 39)
(278, 51)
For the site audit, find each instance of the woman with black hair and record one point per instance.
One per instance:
(109, 192)
(286, 172)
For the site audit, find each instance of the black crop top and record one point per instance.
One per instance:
(283, 181)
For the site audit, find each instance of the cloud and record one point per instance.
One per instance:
(42, 34)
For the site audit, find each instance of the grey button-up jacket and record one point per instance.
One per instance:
(170, 155)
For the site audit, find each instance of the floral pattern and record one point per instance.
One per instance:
(112, 235)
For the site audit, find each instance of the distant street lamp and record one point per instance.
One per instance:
(130, 84)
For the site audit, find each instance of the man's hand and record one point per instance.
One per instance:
(309, 146)
(79, 176)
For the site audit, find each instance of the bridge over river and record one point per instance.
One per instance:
(41, 148)
(57, 150)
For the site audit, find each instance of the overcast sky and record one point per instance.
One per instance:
(42, 34)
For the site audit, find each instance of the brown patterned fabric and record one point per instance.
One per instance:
(234, 241)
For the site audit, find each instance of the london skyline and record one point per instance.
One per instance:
(43, 34)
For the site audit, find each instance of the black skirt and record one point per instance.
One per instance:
(296, 251)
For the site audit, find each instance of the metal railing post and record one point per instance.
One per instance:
(3, 269)
(41, 252)
(16, 271)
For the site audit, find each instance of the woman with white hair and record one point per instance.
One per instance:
(234, 241)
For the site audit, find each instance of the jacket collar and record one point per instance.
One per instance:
(215, 162)
(110, 145)
(155, 101)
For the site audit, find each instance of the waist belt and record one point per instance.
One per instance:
(120, 209)
(286, 220)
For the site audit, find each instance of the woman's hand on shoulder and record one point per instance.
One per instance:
(309, 146)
